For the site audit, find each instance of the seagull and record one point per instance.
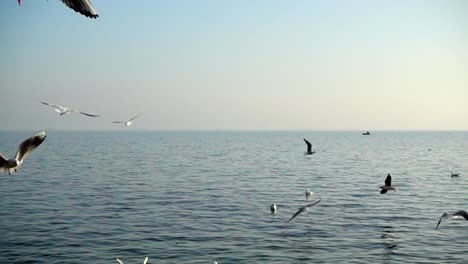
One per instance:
(62, 110)
(309, 148)
(388, 185)
(303, 209)
(127, 123)
(455, 174)
(366, 134)
(308, 193)
(453, 215)
(24, 149)
(273, 208)
(121, 262)
(83, 7)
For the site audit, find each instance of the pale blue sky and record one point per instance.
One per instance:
(318, 65)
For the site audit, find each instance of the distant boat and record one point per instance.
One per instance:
(366, 134)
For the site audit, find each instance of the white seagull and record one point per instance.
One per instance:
(309, 148)
(83, 7)
(62, 110)
(388, 185)
(24, 149)
(302, 210)
(273, 208)
(121, 262)
(127, 123)
(453, 215)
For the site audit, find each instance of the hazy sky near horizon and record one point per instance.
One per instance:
(261, 64)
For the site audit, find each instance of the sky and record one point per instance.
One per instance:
(236, 65)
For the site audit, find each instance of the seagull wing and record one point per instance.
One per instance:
(3, 160)
(135, 117)
(461, 214)
(86, 114)
(54, 106)
(83, 7)
(388, 180)
(440, 220)
(29, 145)
(309, 146)
(312, 204)
(146, 260)
(119, 261)
(296, 214)
(118, 122)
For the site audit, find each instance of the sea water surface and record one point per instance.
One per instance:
(197, 197)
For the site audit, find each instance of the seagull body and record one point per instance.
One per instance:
(453, 215)
(302, 210)
(455, 174)
(127, 123)
(366, 134)
(388, 185)
(273, 208)
(24, 149)
(121, 262)
(83, 7)
(62, 110)
(309, 148)
(308, 193)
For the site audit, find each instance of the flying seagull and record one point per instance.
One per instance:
(24, 149)
(455, 174)
(388, 185)
(453, 215)
(308, 193)
(302, 210)
(127, 123)
(309, 148)
(83, 7)
(62, 110)
(121, 262)
(273, 208)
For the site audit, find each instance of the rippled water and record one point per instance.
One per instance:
(196, 197)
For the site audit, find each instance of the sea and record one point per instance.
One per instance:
(204, 196)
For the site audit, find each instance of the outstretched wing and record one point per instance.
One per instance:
(86, 114)
(118, 122)
(309, 146)
(440, 220)
(83, 7)
(54, 105)
(3, 160)
(296, 214)
(312, 204)
(388, 180)
(135, 117)
(461, 214)
(146, 260)
(29, 145)
(119, 261)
